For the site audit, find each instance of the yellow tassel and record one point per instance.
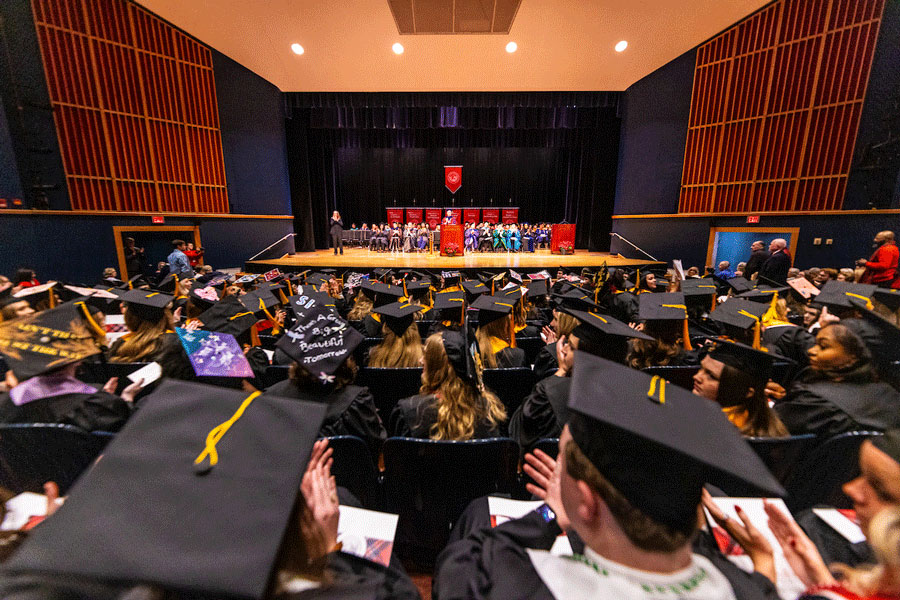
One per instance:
(87, 316)
(219, 431)
(686, 341)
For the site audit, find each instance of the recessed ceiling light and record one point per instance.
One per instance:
(397, 48)
(297, 48)
(512, 47)
(620, 47)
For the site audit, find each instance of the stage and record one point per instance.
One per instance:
(363, 260)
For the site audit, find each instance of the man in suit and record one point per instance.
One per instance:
(758, 256)
(776, 267)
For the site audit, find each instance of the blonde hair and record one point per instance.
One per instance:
(565, 324)
(397, 351)
(143, 340)
(498, 328)
(362, 306)
(460, 404)
(884, 539)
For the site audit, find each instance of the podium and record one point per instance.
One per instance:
(452, 235)
(561, 235)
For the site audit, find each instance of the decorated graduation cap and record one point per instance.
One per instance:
(204, 296)
(842, 295)
(39, 293)
(320, 342)
(307, 298)
(198, 504)
(100, 298)
(147, 304)
(398, 316)
(638, 430)
(45, 341)
(756, 363)
(214, 354)
(228, 315)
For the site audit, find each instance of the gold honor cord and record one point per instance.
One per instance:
(654, 381)
(217, 433)
(87, 316)
(868, 302)
(275, 328)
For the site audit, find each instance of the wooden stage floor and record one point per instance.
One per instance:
(363, 259)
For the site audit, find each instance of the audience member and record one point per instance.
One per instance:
(758, 256)
(775, 268)
(178, 261)
(881, 268)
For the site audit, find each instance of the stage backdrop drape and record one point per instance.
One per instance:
(552, 155)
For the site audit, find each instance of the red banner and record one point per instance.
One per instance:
(471, 215)
(491, 215)
(394, 215)
(452, 237)
(453, 178)
(414, 215)
(510, 215)
(433, 217)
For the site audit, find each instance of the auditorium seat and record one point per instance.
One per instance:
(818, 478)
(781, 455)
(424, 327)
(353, 468)
(510, 385)
(275, 374)
(35, 453)
(549, 446)
(680, 375)
(429, 483)
(531, 346)
(389, 385)
(267, 341)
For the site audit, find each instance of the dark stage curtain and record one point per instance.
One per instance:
(554, 155)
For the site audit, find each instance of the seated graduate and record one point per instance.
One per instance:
(735, 376)
(322, 345)
(518, 295)
(840, 391)
(381, 294)
(237, 539)
(230, 316)
(401, 345)
(44, 351)
(13, 308)
(664, 317)
(453, 403)
(149, 321)
(546, 363)
(543, 412)
(779, 334)
(450, 311)
(612, 485)
(616, 297)
(495, 335)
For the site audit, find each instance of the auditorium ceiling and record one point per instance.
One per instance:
(562, 44)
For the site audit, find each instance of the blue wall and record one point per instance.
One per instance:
(10, 185)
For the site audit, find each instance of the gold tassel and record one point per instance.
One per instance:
(51, 299)
(254, 336)
(512, 332)
(686, 341)
(87, 315)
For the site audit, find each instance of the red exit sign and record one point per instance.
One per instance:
(157, 220)
(753, 218)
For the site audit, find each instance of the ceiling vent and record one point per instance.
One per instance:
(430, 17)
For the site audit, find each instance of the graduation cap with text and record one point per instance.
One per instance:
(638, 430)
(307, 298)
(45, 341)
(147, 304)
(320, 342)
(194, 494)
(398, 316)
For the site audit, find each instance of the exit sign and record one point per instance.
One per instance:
(157, 220)
(753, 218)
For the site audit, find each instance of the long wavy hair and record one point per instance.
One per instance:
(362, 307)
(397, 351)
(661, 350)
(143, 340)
(461, 405)
(498, 328)
(884, 539)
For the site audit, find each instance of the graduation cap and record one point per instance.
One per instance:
(763, 293)
(697, 290)
(461, 356)
(381, 273)
(668, 306)
(320, 342)
(198, 504)
(168, 284)
(317, 279)
(842, 294)
(890, 297)
(204, 296)
(475, 288)
(382, 293)
(228, 315)
(889, 443)
(575, 298)
(756, 363)
(597, 327)
(738, 284)
(638, 430)
(537, 288)
(45, 341)
(306, 298)
(36, 294)
(214, 354)
(742, 314)
(398, 316)
(491, 309)
(147, 304)
(450, 305)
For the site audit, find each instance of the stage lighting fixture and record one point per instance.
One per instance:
(297, 48)
(512, 47)
(620, 47)
(397, 48)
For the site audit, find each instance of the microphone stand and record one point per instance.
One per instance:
(612, 233)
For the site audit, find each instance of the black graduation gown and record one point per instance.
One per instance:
(371, 327)
(414, 416)
(790, 341)
(623, 306)
(351, 411)
(510, 357)
(92, 412)
(545, 363)
(833, 547)
(827, 408)
(529, 331)
(543, 412)
(493, 563)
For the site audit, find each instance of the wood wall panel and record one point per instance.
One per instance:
(135, 108)
(775, 108)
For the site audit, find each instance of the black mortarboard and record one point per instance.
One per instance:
(36, 293)
(167, 284)
(260, 302)
(756, 363)
(317, 279)
(451, 305)
(152, 512)
(228, 315)
(763, 293)
(45, 341)
(595, 327)
(575, 298)
(134, 282)
(475, 288)
(418, 289)
(890, 297)
(147, 304)
(95, 297)
(537, 287)
(738, 284)
(381, 273)
(640, 431)
(461, 355)
(841, 294)
(320, 342)
(889, 443)
(382, 293)
(667, 306)
(491, 308)
(398, 316)
(701, 287)
(739, 312)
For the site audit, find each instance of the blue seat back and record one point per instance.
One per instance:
(531, 346)
(781, 455)
(389, 385)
